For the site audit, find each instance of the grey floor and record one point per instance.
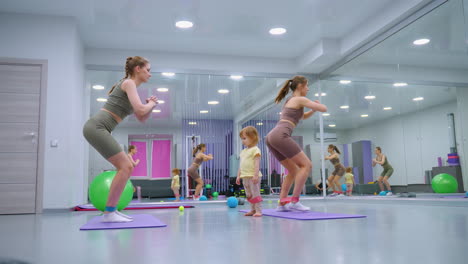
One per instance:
(393, 232)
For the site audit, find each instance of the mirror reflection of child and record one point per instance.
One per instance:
(175, 184)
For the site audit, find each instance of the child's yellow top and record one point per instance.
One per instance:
(175, 181)
(247, 163)
(349, 178)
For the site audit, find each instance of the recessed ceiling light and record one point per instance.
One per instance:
(213, 102)
(162, 89)
(369, 97)
(192, 123)
(332, 125)
(204, 111)
(259, 124)
(161, 101)
(156, 111)
(277, 31)
(322, 94)
(418, 99)
(345, 81)
(168, 74)
(365, 115)
(236, 77)
(400, 84)
(184, 24)
(326, 114)
(98, 87)
(344, 106)
(422, 41)
(101, 100)
(387, 108)
(223, 91)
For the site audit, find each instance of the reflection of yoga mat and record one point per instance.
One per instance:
(136, 206)
(455, 196)
(139, 221)
(305, 215)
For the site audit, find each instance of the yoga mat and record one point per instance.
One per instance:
(136, 206)
(309, 215)
(139, 221)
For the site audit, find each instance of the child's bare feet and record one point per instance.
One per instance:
(257, 215)
(250, 213)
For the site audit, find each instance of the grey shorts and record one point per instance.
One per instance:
(339, 170)
(280, 143)
(387, 172)
(97, 131)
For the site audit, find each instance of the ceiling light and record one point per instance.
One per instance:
(223, 91)
(213, 102)
(259, 124)
(277, 31)
(204, 111)
(192, 123)
(162, 89)
(364, 115)
(322, 94)
(332, 125)
(387, 108)
(236, 77)
(156, 111)
(326, 114)
(98, 87)
(418, 99)
(168, 74)
(161, 101)
(369, 97)
(279, 113)
(184, 24)
(344, 106)
(400, 84)
(345, 81)
(423, 41)
(101, 100)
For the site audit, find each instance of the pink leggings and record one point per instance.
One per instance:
(252, 190)
(349, 188)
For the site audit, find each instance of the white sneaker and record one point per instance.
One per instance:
(283, 208)
(123, 215)
(332, 195)
(389, 193)
(114, 218)
(340, 195)
(299, 207)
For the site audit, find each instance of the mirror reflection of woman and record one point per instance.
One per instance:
(132, 150)
(386, 173)
(199, 156)
(338, 172)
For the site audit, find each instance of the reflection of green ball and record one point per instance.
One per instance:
(215, 194)
(444, 183)
(100, 187)
(208, 186)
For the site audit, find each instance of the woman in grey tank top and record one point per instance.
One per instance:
(123, 100)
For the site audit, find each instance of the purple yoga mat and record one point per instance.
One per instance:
(139, 221)
(305, 215)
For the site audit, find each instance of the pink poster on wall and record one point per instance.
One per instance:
(161, 163)
(141, 170)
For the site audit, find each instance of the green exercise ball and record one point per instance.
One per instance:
(444, 183)
(215, 194)
(100, 187)
(208, 186)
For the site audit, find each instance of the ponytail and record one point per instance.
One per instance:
(335, 148)
(130, 65)
(197, 148)
(290, 84)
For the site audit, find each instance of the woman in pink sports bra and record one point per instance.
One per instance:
(284, 148)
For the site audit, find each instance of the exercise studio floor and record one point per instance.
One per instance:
(212, 233)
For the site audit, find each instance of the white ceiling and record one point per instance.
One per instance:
(319, 31)
(444, 59)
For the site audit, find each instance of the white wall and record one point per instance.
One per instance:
(462, 131)
(56, 40)
(412, 142)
